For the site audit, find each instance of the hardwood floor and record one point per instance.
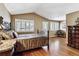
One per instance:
(34, 52)
(58, 47)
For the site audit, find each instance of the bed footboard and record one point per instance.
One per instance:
(26, 44)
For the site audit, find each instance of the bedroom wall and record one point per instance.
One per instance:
(72, 17)
(70, 20)
(31, 16)
(4, 13)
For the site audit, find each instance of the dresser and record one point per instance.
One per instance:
(73, 36)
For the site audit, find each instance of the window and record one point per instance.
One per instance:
(54, 26)
(24, 25)
(63, 25)
(44, 25)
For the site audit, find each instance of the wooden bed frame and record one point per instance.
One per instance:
(31, 43)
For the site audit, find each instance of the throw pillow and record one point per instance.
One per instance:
(4, 35)
(15, 34)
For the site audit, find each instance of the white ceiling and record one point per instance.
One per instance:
(53, 11)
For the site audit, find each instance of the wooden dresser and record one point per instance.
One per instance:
(73, 36)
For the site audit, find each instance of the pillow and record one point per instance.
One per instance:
(4, 35)
(15, 34)
(0, 37)
(10, 33)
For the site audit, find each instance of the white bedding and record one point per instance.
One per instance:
(28, 36)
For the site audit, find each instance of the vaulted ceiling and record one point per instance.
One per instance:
(52, 11)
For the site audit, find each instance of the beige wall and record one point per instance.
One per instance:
(72, 17)
(31, 16)
(4, 13)
(70, 20)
